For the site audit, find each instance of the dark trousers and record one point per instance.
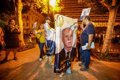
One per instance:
(79, 54)
(41, 46)
(64, 66)
(85, 57)
(56, 62)
(51, 47)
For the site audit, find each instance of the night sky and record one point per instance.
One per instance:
(6, 5)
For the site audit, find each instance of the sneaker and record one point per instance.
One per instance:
(44, 57)
(81, 64)
(52, 63)
(84, 69)
(40, 59)
(61, 75)
(68, 71)
(57, 70)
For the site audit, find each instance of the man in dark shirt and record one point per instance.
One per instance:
(87, 37)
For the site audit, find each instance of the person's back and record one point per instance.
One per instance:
(50, 37)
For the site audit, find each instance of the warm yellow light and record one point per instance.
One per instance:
(53, 3)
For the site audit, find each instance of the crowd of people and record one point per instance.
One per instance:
(45, 37)
(63, 60)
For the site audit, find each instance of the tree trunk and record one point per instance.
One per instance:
(109, 32)
(20, 22)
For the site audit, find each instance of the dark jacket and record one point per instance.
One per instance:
(11, 37)
(62, 56)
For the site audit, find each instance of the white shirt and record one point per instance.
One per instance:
(50, 32)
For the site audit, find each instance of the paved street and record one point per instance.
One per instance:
(28, 67)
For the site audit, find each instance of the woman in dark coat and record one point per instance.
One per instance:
(11, 38)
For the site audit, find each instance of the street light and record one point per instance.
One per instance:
(54, 6)
(53, 3)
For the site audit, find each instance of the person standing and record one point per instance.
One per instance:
(50, 40)
(67, 54)
(50, 36)
(11, 38)
(78, 44)
(41, 40)
(2, 43)
(86, 37)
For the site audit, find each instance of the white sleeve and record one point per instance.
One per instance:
(46, 26)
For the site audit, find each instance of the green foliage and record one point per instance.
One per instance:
(2, 23)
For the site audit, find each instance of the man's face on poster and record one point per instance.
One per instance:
(67, 37)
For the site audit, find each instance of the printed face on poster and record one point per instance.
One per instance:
(65, 32)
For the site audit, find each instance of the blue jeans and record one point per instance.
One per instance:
(82, 55)
(41, 46)
(85, 56)
(51, 46)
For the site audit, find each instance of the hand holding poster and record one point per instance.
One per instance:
(85, 12)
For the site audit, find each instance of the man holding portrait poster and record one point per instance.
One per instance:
(65, 43)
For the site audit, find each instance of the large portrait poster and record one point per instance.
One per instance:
(65, 32)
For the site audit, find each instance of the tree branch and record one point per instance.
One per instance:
(118, 4)
(105, 4)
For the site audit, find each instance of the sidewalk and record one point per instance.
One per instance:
(28, 67)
